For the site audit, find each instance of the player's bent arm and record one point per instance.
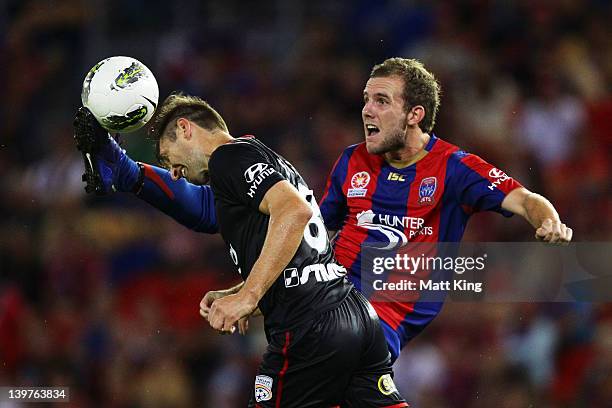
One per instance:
(540, 213)
(210, 297)
(289, 214)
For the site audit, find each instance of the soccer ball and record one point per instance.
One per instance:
(121, 92)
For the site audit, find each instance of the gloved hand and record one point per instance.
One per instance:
(107, 166)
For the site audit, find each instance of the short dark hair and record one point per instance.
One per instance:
(420, 86)
(178, 105)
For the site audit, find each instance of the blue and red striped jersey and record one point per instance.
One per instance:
(369, 201)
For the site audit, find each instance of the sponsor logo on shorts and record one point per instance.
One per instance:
(427, 189)
(321, 272)
(263, 388)
(359, 182)
(386, 384)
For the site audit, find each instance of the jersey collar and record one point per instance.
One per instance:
(432, 141)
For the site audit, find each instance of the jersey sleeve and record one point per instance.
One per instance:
(333, 204)
(242, 172)
(191, 205)
(480, 186)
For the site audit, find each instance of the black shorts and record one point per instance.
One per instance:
(339, 360)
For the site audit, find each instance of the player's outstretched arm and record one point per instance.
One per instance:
(289, 214)
(540, 213)
(191, 205)
(108, 168)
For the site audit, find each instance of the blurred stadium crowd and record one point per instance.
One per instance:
(101, 294)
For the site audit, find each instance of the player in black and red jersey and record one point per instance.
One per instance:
(274, 232)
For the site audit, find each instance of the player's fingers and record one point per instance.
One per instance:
(228, 326)
(215, 319)
(546, 235)
(204, 304)
(570, 234)
(216, 323)
(204, 314)
(562, 231)
(556, 232)
(243, 325)
(207, 300)
(565, 237)
(224, 332)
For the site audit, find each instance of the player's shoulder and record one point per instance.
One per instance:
(349, 154)
(354, 148)
(461, 160)
(233, 151)
(448, 151)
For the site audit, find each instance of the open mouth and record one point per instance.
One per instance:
(371, 130)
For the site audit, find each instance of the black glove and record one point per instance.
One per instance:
(107, 167)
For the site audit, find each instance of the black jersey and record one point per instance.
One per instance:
(241, 172)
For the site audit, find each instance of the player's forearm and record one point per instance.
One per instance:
(285, 233)
(537, 209)
(234, 289)
(189, 204)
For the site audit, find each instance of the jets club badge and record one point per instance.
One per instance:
(427, 189)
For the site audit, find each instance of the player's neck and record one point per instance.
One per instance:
(412, 152)
(215, 140)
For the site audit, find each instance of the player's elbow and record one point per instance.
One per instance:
(302, 213)
(295, 213)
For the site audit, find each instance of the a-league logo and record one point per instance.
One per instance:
(360, 180)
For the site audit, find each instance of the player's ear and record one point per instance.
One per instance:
(183, 127)
(415, 115)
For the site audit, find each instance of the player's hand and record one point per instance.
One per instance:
(243, 325)
(554, 232)
(107, 166)
(208, 300)
(227, 311)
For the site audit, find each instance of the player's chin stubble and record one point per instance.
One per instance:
(393, 142)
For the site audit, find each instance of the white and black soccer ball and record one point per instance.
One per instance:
(121, 92)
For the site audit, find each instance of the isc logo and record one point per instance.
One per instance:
(395, 177)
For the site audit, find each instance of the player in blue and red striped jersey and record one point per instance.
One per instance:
(404, 184)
